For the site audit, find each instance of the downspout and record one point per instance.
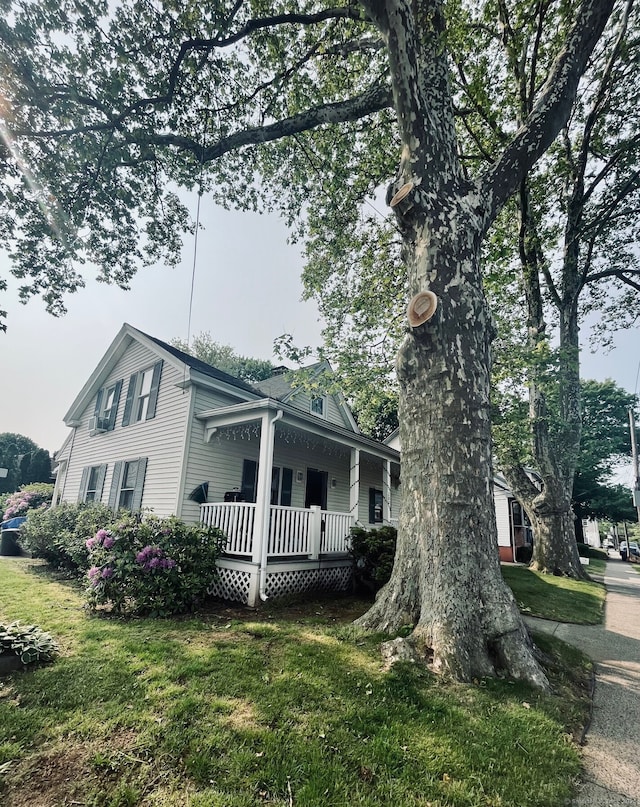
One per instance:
(271, 425)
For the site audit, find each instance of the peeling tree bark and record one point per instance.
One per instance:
(446, 580)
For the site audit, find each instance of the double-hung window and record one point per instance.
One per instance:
(142, 395)
(375, 506)
(107, 407)
(318, 405)
(92, 483)
(127, 484)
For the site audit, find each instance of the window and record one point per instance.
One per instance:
(92, 483)
(107, 407)
(317, 405)
(249, 480)
(375, 506)
(127, 484)
(142, 395)
(281, 485)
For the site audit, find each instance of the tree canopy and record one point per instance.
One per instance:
(225, 358)
(24, 460)
(107, 109)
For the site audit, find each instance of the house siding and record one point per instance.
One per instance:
(501, 501)
(160, 439)
(334, 412)
(220, 461)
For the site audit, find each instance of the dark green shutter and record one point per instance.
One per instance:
(115, 485)
(153, 394)
(139, 484)
(114, 408)
(98, 402)
(128, 406)
(102, 472)
(287, 486)
(84, 482)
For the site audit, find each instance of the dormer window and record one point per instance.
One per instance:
(318, 405)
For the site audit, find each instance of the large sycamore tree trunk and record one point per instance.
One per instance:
(446, 580)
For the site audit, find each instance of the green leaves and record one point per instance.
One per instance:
(29, 642)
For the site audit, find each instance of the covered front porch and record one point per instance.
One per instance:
(288, 525)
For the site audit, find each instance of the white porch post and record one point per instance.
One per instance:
(315, 529)
(354, 484)
(386, 491)
(263, 497)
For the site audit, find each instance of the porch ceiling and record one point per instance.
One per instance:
(293, 421)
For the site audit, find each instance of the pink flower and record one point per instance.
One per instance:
(108, 542)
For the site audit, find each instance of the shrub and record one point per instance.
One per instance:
(586, 551)
(29, 497)
(154, 566)
(59, 534)
(373, 552)
(524, 553)
(28, 642)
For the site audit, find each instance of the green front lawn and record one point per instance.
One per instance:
(558, 598)
(286, 706)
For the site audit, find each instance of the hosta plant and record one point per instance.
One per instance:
(28, 642)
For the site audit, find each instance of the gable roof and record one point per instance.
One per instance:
(202, 366)
(195, 370)
(282, 387)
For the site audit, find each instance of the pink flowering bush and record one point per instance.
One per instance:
(149, 565)
(29, 497)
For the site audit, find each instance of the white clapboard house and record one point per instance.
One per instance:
(284, 472)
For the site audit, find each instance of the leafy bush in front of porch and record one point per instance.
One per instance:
(58, 535)
(150, 565)
(373, 552)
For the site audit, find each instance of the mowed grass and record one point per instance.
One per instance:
(558, 598)
(286, 706)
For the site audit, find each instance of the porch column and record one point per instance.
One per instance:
(263, 494)
(386, 491)
(354, 484)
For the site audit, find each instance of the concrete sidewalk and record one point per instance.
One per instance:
(611, 776)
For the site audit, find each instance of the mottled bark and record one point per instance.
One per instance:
(446, 580)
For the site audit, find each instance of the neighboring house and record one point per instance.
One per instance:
(591, 532)
(283, 472)
(514, 529)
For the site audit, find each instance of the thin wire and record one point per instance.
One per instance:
(193, 269)
(635, 389)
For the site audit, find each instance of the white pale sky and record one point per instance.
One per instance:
(247, 293)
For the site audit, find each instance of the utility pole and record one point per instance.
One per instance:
(636, 467)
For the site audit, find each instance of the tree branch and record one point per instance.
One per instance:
(550, 112)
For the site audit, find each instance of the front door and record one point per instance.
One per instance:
(316, 493)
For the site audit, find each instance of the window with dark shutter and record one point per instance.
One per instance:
(128, 484)
(375, 506)
(142, 395)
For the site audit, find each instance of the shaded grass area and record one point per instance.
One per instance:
(286, 706)
(558, 598)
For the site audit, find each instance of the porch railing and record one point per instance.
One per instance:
(293, 531)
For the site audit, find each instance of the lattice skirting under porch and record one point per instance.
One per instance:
(238, 584)
(233, 585)
(283, 584)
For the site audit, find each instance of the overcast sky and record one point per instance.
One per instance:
(247, 293)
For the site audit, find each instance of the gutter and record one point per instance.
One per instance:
(271, 425)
